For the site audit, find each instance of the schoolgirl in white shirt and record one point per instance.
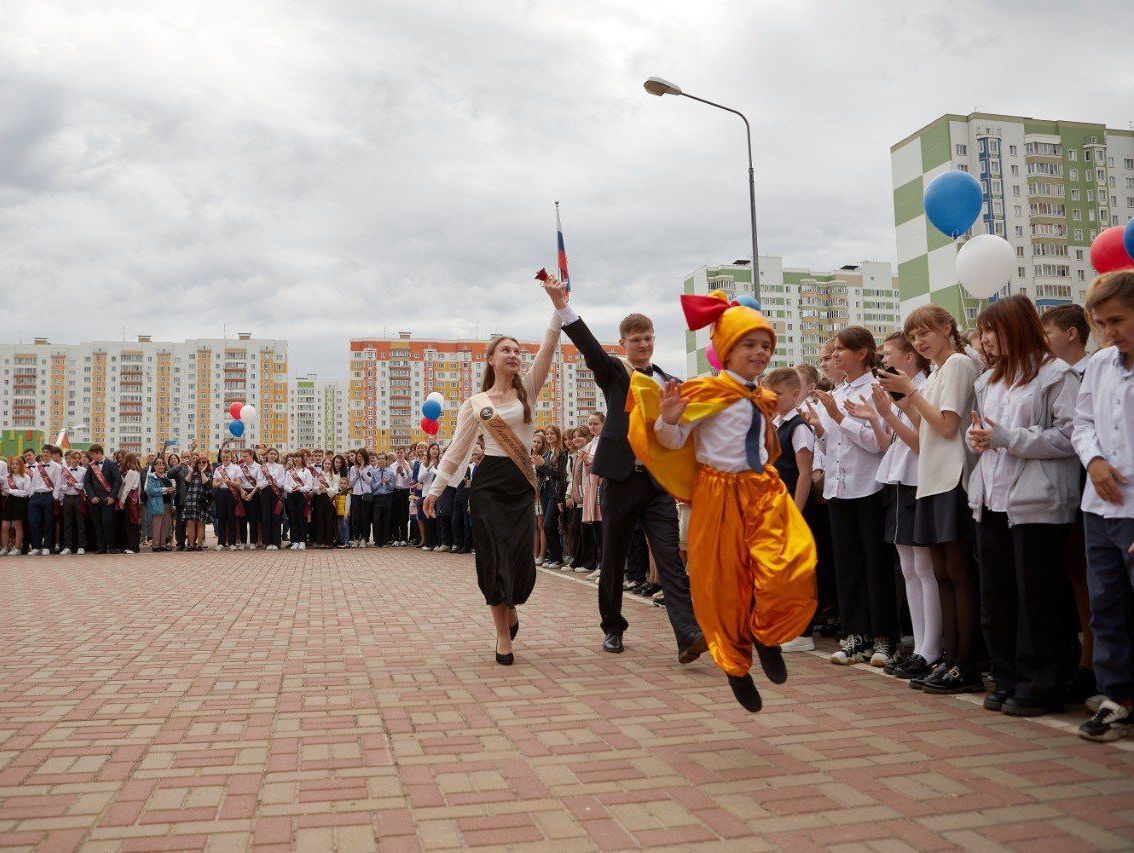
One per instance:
(942, 521)
(270, 491)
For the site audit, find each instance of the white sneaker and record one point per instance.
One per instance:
(594, 576)
(64, 552)
(1093, 703)
(81, 552)
(806, 643)
(127, 551)
(33, 552)
(271, 548)
(219, 548)
(45, 552)
(579, 569)
(553, 566)
(852, 649)
(425, 548)
(233, 548)
(302, 546)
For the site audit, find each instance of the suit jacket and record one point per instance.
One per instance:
(614, 459)
(113, 476)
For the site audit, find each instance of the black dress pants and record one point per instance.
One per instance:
(225, 525)
(399, 516)
(1024, 592)
(551, 529)
(864, 567)
(297, 516)
(383, 513)
(270, 519)
(638, 499)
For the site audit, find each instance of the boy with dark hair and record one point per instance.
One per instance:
(1067, 333)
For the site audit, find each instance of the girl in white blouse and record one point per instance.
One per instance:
(1024, 493)
(502, 499)
(942, 520)
(17, 487)
(852, 452)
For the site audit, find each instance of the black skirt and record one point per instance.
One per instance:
(901, 506)
(503, 512)
(942, 518)
(15, 508)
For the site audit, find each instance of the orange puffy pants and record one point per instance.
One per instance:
(751, 564)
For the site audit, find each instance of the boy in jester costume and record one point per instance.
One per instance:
(710, 442)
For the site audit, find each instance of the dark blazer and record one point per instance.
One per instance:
(553, 477)
(113, 476)
(614, 460)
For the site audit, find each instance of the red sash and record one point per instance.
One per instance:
(244, 473)
(133, 507)
(73, 482)
(318, 473)
(96, 467)
(46, 477)
(236, 496)
(278, 508)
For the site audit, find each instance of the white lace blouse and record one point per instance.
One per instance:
(460, 449)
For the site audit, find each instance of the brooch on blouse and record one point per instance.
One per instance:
(486, 413)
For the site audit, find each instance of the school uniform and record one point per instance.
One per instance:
(226, 502)
(462, 519)
(299, 485)
(248, 525)
(361, 501)
(322, 528)
(45, 478)
(102, 483)
(74, 498)
(270, 492)
(1104, 429)
(857, 510)
(399, 513)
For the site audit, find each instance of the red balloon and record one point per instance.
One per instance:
(234, 410)
(429, 427)
(1108, 253)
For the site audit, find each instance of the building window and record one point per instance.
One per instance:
(1079, 233)
(1072, 155)
(1020, 272)
(1012, 150)
(962, 150)
(1086, 155)
(1075, 194)
(1016, 190)
(1073, 174)
(1019, 230)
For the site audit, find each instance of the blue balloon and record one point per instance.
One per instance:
(1128, 237)
(236, 428)
(749, 301)
(431, 409)
(952, 202)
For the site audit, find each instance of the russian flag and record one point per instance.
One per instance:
(563, 276)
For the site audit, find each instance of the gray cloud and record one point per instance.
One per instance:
(322, 171)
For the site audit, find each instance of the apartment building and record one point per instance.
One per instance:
(1049, 188)
(805, 307)
(317, 413)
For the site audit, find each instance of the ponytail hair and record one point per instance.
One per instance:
(857, 338)
(937, 318)
(517, 383)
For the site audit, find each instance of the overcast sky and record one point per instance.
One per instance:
(321, 171)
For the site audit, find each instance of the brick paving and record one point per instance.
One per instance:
(348, 700)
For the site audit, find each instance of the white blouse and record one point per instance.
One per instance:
(851, 451)
(899, 465)
(944, 463)
(23, 486)
(460, 449)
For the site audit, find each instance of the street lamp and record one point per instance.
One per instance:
(658, 86)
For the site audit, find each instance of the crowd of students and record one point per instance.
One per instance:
(975, 493)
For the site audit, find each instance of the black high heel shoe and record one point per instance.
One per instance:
(514, 629)
(504, 660)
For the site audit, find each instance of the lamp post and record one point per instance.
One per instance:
(658, 86)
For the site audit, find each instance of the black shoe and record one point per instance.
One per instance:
(744, 689)
(772, 662)
(1082, 687)
(955, 681)
(940, 669)
(612, 644)
(504, 660)
(693, 649)
(915, 666)
(995, 700)
(515, 629)
(1022, 706)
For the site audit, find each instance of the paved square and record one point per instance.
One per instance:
(348, 700)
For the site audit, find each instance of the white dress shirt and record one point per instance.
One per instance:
(1104, 428)
(802, 439)
(405, 479)
(79, 472)
(298, 480)
(251, 479)
(270, 472)
(3, 468)
(899, 464)
(23, 487)
(1010, 408)
(850, 449)
(359, 478)
(54, 472)
(719, 440)
(1080, 367)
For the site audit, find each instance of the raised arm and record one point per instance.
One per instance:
(536, 375)
(459, 451)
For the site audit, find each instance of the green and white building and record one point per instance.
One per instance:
(806, 308)
(1049, 188)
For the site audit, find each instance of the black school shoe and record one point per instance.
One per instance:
(1023, 706)
(744, 689)
(938, 672)
(915, 666)
(772, 662)
(955, 681)
(995, 700)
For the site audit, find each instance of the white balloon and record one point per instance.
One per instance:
(248, 414)
(439, 397)
(985, 264)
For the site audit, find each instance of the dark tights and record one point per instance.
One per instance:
(960, 612)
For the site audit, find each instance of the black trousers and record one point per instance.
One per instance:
(179, 525)
(1024, 592)
(248, 524)
(41, 519)
(225, 507)
(1110, 579)
(864, 567)
(270, 520)
(638, 499)
(297, 516)
(74, 525)
(551, 529)
(462, 525)
(818, 518)
(103, 515)
(399, 516)
(638, 558)
(383, 514)
(360, 514)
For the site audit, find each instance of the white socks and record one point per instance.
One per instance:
(925, 605)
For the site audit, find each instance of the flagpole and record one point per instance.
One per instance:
(559, 344)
